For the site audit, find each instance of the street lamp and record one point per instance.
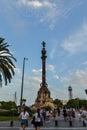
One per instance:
(0, 80)
(86, 91)
(22, 81)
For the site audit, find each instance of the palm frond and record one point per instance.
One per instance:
(6, 62)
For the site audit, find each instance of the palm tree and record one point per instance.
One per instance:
(6, 62)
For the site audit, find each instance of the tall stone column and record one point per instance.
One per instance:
(43, 57)
(43, 95)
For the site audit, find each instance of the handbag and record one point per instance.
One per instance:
(33, 120)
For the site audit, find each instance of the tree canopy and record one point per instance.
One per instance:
(6, 62)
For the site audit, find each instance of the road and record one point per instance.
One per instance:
(51, 128)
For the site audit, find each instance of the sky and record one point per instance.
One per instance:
(62, 24)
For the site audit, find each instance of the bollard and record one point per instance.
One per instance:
(70, 123)
(11, 123)
(84, 124)
(26, 123)
(56, 123)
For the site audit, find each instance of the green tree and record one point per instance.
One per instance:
(6, 62)
(8, 105)
(77, 103)
(58, 102)
(47, 108)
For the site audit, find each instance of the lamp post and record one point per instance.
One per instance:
(0, 80)
(22, 82)
(86, 91)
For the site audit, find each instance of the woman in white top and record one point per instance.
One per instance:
(24, 118)
(38, 118)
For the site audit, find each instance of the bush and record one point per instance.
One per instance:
(8, 113)
(47, 108)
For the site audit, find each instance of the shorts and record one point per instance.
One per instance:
(24, 122)
(37, 124)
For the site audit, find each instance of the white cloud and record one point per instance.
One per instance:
(49, 11)
(36, 3)
(81, 77)
(45, 11)
(85, 63)
(37, 71)
(56, 76)
(76, 42)
(36, 79)
(81, 73)
(56, 92)
(78, 81)
(77, 78)
(53, 51)
(18, 71)
(65, 79)
(51, 68)
(67, 10)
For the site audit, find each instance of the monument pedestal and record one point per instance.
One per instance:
(43, 98)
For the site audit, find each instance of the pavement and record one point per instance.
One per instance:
(61, 124)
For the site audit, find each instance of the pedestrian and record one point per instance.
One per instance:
(73, 114)
(24, 115)
(65, 113)
(54, 113)
(44, 114)
(58, 110)
(70, 113)
(37, 119)
(56, 119)
(84, 116)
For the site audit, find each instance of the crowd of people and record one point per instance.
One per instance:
(41, 117)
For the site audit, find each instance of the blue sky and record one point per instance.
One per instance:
(62, 24)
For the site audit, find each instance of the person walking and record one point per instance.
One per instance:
(65, 113)
(58, 110)
(38, 119)
(84, 116)
(54, 113)
(24, 115)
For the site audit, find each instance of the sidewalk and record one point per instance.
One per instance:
(61, 124)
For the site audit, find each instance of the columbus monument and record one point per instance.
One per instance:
(43, 95)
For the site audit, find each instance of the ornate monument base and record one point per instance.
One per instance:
(43, 98)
